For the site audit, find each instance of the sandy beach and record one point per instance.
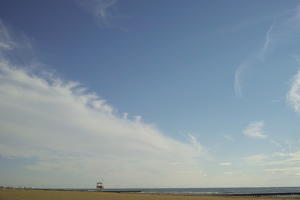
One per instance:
(75, 195)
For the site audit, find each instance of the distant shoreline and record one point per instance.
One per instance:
(47, 194)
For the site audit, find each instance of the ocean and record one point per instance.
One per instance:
(285, 191)
(238, 191)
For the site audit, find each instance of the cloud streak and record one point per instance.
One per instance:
(102, 10)
(242, 68)
(282, 30)
(63, 128)
(6, 41)
(254, 159)
(293, 96)
(238, 84)
(225, 164)
(255, 130)
(57, 128)
(267, 43)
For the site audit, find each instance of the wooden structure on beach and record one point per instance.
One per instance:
(99, 186)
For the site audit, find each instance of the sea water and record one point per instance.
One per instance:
(285, 191)
(235, 190)
(216, 191)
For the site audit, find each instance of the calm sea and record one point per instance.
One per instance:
(220, 191)
(272, 191)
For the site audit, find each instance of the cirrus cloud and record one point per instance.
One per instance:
(61, 128)
(255, 129)
(293, 96)
(55, 128)
(101, 9)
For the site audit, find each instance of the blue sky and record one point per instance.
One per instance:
(150, 93)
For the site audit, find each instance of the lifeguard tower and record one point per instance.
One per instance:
(99, 186)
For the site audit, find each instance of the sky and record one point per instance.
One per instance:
(149, 93)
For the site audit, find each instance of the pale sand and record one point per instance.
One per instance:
(74, 195)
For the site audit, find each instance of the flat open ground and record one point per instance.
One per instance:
(75, 195)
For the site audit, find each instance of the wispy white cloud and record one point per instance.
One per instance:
(267, 43)
(241, 69)
(225, 164)
(293, 96)
(295, 18)
(64, 129)
(281, 29)
(254, 159)
(60, 128)
(6, 42)
(292, 158)
(247, 64)
(278, 144)
(255, 129)
(102, 10)
(279, 162)
(238, 84)
(284, 28)
(285, 170)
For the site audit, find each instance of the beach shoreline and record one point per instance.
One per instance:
(16, 194)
